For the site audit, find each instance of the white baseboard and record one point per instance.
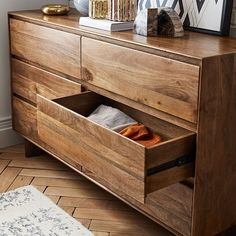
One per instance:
(8, 136)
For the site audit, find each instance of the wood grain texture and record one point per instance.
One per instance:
(141, 107)
(24, 118)
(7, 176)
(164, 84)
(28, 81)
(123, 167)
(20, 181)
(49, 48)
(57, 134)
(215, 189)
(3, 164)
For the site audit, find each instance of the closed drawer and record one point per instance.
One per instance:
(128, 166)
(161, 83)
(28, 80)
(54, 49)
(24, 118)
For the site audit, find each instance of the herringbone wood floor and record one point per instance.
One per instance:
(98, 210)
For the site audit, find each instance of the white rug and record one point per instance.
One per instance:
(27, 212)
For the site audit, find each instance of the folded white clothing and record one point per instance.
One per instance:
(111, 118)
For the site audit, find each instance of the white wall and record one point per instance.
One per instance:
(7, 136)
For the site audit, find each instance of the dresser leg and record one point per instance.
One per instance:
(31, 150)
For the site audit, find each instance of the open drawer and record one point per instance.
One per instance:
(126, 165)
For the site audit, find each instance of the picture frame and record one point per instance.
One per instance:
(207, 16)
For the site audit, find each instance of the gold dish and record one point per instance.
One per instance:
(55, 9)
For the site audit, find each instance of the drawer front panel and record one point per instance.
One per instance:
(28, 80)
(158, 82)
(24, 118)
(84, 151)
(121, 162)
(54, 49)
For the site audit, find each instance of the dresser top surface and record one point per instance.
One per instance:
(193, 45)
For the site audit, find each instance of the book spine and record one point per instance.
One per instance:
(115, 10)
(109, 10)
(127, 10)
(133, 9)
(120, 10)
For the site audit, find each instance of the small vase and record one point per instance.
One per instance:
(82, 6)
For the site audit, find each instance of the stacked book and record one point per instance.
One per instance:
(121, 10)
(106, 24)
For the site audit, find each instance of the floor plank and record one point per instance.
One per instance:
(3, 165)
(32, 163)
(105, 214)
(66, 183)
(114, 204)
(7, 177)
(50, 173)
(55, 199)
(84, 222)
(119, 227)
(69, 210)
(20, 181)
(81, 192)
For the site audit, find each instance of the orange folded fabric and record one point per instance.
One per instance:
(141, 134)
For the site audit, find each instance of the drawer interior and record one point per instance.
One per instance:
(85, 103)
(141, 170)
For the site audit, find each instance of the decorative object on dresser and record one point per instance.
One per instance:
(173, 86)
(121, 10)
(82, 6)
(26, 211)
(146, 22)
(210, 16)
(98, 9)
(169, 23)
(158, 21)
(55, 9)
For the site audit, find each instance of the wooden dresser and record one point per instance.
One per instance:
(183, 89)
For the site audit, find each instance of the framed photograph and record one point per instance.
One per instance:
(209, 16)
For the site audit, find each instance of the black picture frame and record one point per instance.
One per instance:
(225, 19)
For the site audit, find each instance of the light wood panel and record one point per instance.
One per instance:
(49, 48)
(24, 118)
(164, 84)
(28, 81)
(62, 182)
(215, 189)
